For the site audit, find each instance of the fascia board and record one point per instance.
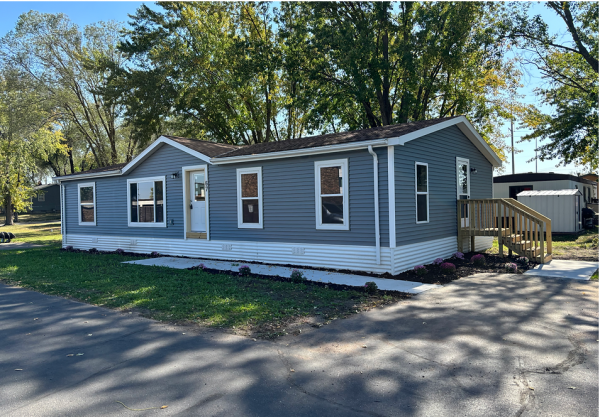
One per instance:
(90, 175)
(300, 152)
(150, 149)
(466, 128)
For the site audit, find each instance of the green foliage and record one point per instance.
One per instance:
(570, 70)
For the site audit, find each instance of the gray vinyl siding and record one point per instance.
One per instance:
(439, 150)
(111, 198)
(51, 203)
(289, 201)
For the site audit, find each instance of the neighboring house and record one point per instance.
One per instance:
(380, 200)
(46, 200)
(593, 177)
(508, 186)
(563, 207)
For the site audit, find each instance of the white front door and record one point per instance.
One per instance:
(198, 202)
(463, 187)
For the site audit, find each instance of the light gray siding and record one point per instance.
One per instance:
(439, 150)
(111, 198)
(289, 201)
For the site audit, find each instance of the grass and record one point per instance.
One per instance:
(38, 229)
(250, 305)
(582, 246)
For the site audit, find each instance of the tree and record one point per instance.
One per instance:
(570, 72)
(27, 135)
(63, 59)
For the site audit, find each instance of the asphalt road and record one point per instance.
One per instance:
(486, 345)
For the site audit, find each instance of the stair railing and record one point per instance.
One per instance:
(516, 226)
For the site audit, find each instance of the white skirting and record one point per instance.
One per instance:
(356, 258)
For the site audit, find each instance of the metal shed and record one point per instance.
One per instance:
(563, 207)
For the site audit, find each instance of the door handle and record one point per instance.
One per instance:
(191, 206)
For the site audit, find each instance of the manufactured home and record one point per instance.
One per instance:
(377, 200)
(46, 199)
(508, 186)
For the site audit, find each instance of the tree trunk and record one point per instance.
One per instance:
(9, 211)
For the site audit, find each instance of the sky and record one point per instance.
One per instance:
(83, 13)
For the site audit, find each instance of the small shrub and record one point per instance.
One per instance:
(69, 248)
(523, 261)
(119, 251)
(155, 254)
(459, 255)
(438, 261)
(448, 268)
(510, 267)
(201, 266)
(244, 270)
(478, 259)
(297, 276)
(420, 270)
(370, 287)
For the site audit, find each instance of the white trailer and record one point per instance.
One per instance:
(563, 207)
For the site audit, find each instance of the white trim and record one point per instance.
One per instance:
(79, 187)
(162, 178)
(186, 196)
(345, 195)
(392, 196)
(300, 152)
(464, 160)
(62, 209)
(87, 175)
(466, 128)
(417, 193)
(150, 149)
(241, 224)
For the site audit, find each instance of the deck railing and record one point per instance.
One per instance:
(516, 226)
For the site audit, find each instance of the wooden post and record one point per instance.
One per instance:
(542, 254)
(500, 229)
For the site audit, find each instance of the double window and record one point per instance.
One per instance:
(331, 194)
(249, 198)
(422, 192)
(87, 203)
(146, 202)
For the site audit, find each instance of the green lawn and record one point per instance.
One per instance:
(250, 305)
(39, 229)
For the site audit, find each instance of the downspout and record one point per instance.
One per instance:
(376, 193)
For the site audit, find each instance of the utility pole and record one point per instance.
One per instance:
(512, 145)
(536, 155)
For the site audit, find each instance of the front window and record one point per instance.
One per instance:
(422, 192)
(147, 202)
(331, 186)
(249, 192)
(87, 204)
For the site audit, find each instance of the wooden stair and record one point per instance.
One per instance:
(516, 226)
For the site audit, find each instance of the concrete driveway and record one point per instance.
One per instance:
(493, 345)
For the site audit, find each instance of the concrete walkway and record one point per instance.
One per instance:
(558, 268)
(310, 274)
(484, 345)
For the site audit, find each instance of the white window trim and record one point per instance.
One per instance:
(186, 197)
(79, 187)
(346, 195)
(147, 224)
(417, 193)
(241, 224)
(468, 162)
(41, 196)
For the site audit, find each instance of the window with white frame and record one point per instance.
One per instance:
(249, 197)
(41, 196)
(331, 194)
(422, 192)
(146, 202)
(86, 195)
